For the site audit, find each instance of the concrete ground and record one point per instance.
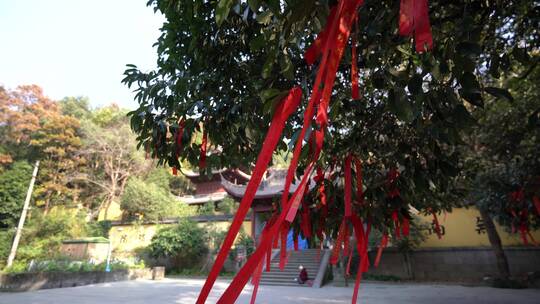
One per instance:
(185, 291)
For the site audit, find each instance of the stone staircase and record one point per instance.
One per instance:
(306, 257)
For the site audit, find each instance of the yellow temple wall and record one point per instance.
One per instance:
(126, 239)
(463, 228)
(112, 213)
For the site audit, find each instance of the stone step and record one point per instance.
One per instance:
(310, 259)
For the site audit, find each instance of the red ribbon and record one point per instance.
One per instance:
(359, 183)
(355, 94)
(536, 201)
(255, 281)
(202, 158)
(523, 231)
(437, 226)
(362, 244)
(405, 226)
(348, 187)
(348, 268)
(334, 46)
(295, 240)
(320, 181)
(299, 194)
(346, 240)
(178, 140)
(362, 265)
(414, 19)
(235, 288)
(337, 245)
(384, 243)
(287, 106)
(397, 228)
(283, 250)
(316, 48)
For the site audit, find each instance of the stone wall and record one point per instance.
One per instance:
(455, 264)
(45, 280)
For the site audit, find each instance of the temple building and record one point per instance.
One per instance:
(270, 190)
(208, 188)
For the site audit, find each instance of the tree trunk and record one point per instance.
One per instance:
(495, 240)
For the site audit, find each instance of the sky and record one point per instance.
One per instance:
(77, 47)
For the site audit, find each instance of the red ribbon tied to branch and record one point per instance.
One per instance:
(414, 19)
(202, 158)
(287, 106)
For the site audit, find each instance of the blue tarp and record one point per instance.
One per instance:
(302, 243)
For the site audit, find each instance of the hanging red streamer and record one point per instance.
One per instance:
(316, 48)
(287, 106)
(355, 94)
(536, 201)
(337, 244)
(405, 226)
(332, 52)
(348, 186)
(283, 249)
(437, 226)
(414, 20)
(359, 182)
(202, 158)
(384, 243)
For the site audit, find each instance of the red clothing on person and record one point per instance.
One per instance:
(303, 276)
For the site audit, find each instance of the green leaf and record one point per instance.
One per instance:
(499, 93)
(415, 84)
(269, 65)
(254, 5)
(273, 5)
(269, 94)
(257, 43)
(472, 97)
(494, 66)
(461, 116)
(521, 55)
(398, 104)
(222, 10)
(265, 17)
(468, 82)
(469, 48)
(287, 68)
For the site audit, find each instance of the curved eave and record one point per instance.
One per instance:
(274, 190)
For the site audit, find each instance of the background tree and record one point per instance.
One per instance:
(110, 149)
(78, 107)
(33, 127)
(58, 141)
(14, 183)
(503, 157)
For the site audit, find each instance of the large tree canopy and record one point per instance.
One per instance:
(225, 65)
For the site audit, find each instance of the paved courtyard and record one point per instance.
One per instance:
(185, 291)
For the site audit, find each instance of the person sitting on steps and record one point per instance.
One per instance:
(302, 276)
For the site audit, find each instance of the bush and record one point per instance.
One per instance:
(14, 183)
(6, 238)
(184, 243)
(43, 235)
(228, 206)
(145, 200)
(98, 229)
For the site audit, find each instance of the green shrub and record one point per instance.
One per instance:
(145, 200)
(184, 243)
(228, 206)
(6, 238)
(206, 209)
